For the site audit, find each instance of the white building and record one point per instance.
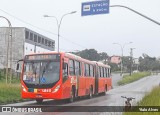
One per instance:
(24, 41)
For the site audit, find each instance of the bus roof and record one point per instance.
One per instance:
(74, 57)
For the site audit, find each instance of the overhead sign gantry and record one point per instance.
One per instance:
(95, 7)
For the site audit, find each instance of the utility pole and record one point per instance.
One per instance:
(131, 60)
(11, 59)
(9, 46)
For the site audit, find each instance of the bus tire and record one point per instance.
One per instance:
(90, 93)
(105, 90)
(39, 101)
(72, 96)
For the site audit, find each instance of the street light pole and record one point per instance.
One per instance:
(10, 35)
(122, 48)
(144, 16)
(59, 24)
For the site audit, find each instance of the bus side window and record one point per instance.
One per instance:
(104, 69)
(87, 70)
(106, 72)
(99, 71)
(77, 68)
(91, 71)
(71, 67)
(65, 70)
(109, 72)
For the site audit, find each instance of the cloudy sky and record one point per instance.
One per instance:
(98, 31)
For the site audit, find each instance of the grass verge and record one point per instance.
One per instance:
(134, 77)
(9, 93)
(151, 99)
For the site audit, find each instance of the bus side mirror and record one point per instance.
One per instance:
(17, 68)
(64, 65)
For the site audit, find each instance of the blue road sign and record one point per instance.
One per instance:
(95, 7)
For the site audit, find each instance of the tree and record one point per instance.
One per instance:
(93, 55)
(103, 56)
(148, 63)
(126, 63)
(90, 54)
(114, 67)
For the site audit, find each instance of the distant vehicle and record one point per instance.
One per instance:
(135, 71)
(62, 76)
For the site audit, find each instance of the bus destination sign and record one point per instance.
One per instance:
(43, 57)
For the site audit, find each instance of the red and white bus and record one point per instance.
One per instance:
(62, 75)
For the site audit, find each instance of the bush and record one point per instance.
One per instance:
(1, 74)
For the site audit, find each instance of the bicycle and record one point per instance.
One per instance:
(127, 103)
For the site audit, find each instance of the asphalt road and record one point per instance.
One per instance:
(115, 79)
(136, 89)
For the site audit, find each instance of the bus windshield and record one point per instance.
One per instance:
(41, 72)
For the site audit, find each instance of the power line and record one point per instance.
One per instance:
(68, 40)
(74, 42)
(26, 22)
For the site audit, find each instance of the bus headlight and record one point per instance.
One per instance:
(56, 89)
(24, 89)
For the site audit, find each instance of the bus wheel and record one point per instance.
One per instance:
(39, 101)
(71, 99)
(90, 93)
(105, 90)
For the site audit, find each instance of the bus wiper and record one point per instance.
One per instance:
(34, 69)
(44, 69)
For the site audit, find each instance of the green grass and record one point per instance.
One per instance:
(151, 99)
(134, 77)
(9, 93)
